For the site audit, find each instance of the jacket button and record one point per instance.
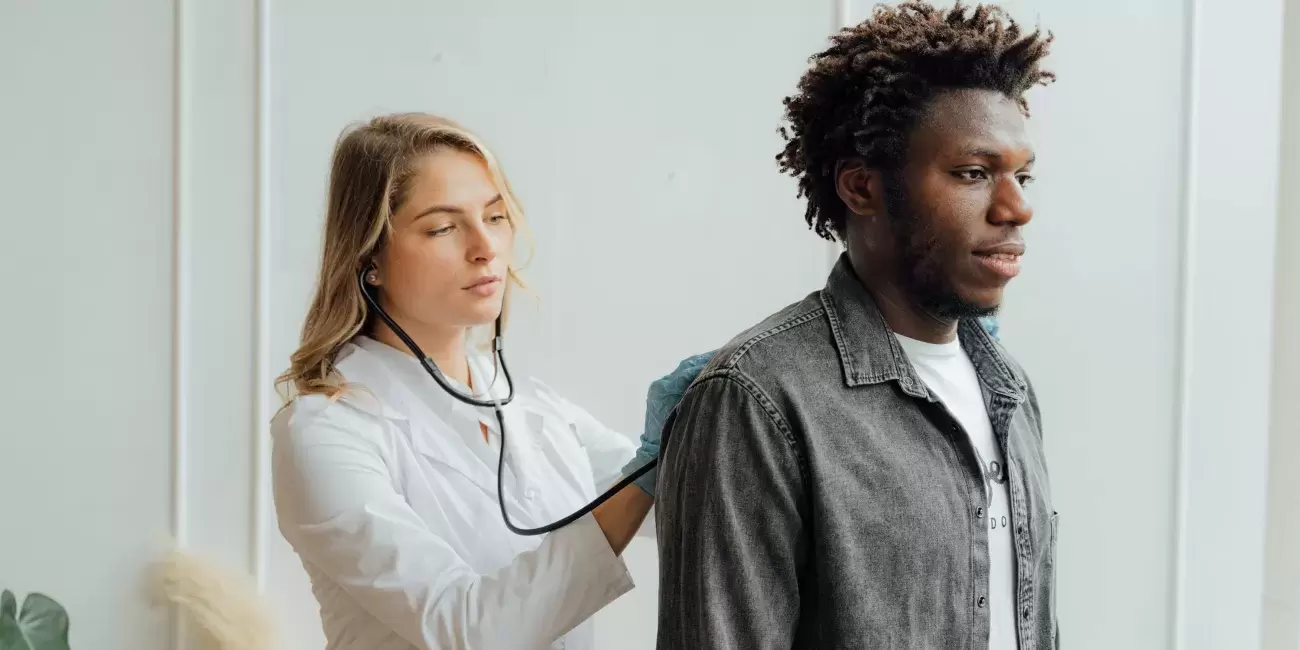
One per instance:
(1026, 612)
(980, 603)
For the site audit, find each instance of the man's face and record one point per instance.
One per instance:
(957, 207)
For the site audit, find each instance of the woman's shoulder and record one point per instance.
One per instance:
(547, 397)
(318, 418)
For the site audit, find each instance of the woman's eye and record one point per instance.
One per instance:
(498, 218)
(441, 231)
(1025, 179)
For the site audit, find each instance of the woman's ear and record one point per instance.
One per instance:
(372, 275)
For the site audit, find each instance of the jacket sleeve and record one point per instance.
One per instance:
(730, 522)
(339, 509)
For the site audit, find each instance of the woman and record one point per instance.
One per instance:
(385, 485)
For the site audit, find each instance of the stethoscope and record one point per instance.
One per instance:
(495, 404)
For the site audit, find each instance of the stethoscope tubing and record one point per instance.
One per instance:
(498, 351)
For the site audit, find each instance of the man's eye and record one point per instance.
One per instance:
(971, 174)
(1025, 179)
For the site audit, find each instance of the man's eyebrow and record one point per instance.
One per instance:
(985, 152)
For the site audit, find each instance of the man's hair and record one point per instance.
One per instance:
(863, 95)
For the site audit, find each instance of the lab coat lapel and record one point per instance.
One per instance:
(439, 431)
(440, 436)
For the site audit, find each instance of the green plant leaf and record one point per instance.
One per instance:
(42, 625)
(11, 636)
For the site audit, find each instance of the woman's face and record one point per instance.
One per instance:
(445, 265)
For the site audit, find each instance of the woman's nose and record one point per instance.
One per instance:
(482, 246)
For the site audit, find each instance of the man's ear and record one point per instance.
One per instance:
(859, 187)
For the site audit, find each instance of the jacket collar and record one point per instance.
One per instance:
(870, 354)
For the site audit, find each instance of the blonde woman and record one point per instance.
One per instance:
(384, 484)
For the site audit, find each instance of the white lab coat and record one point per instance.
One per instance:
(389, 497)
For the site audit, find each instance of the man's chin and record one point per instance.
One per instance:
(955, 307)
(982, 303)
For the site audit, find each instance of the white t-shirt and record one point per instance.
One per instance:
(948, 372)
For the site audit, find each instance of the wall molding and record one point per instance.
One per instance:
(262, 381)
(1186, 273)
(180, 280)
(218, 325)
(1231, 184)
(180, 303)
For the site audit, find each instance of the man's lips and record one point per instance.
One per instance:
(1002, 259)
(1014, 248)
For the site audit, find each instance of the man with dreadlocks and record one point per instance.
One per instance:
(865, 469)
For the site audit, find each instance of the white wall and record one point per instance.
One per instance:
(165, 167)
(86, 203)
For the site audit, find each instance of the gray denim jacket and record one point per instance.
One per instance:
(813, 493)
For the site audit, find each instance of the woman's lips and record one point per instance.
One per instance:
(485, 287)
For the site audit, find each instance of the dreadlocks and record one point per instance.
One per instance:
(863, 95)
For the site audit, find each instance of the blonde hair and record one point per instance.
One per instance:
(373, 164)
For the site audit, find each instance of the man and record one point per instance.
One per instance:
(864, 469)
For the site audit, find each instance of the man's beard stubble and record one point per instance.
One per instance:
(920, 259)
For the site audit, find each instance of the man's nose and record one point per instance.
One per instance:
(1011, 206)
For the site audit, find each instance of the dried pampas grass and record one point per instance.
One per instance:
(225, 604)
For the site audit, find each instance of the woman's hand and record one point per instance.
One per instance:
(661, 399)
(990, 324)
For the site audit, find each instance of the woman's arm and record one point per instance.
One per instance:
(622, 515)
(339, 510)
